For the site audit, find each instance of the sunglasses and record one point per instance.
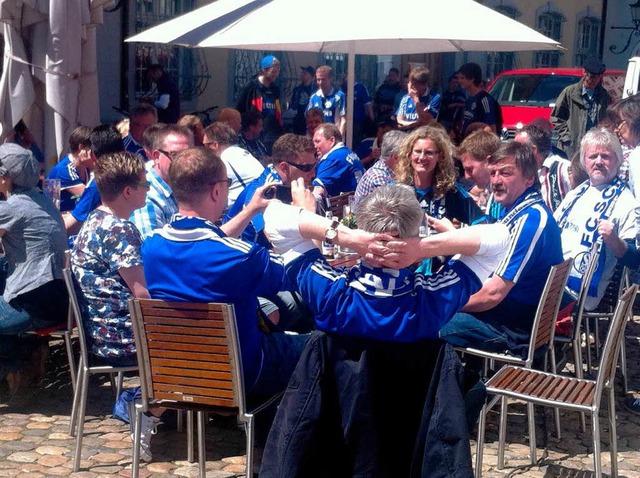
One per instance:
(143, 184)
(169, 154)
(303, 167)
(225, 180)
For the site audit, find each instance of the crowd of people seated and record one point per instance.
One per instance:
(456, 230)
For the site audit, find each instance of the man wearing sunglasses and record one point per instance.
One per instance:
(293, 158)
(160, 204)
(580, 107)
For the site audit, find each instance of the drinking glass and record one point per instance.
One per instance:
(51, 188)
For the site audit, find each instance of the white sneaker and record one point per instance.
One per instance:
(148, 428)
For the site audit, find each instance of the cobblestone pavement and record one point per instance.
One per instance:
(34, 440)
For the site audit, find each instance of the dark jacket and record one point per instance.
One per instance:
(569, 115)
(361, 408)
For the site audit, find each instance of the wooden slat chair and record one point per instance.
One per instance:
(548, 389)
(189, 357)
(87, 366)
(578, 314)
(541, 336)
(335, 204)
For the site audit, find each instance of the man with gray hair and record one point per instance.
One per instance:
(379, 303)
(600, 211)
(381, 172)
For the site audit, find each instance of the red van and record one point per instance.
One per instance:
(530, 93)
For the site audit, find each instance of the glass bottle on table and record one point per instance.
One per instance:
(328, 250)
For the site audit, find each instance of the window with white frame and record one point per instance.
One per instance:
(587, 39)
(187, 65)
(549, 23)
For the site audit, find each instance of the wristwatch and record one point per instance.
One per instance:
(332, 231)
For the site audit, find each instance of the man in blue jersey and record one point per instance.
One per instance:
(480, 107)
(141, 117)
(339, 169)
(382, 303)
(420, 105)
(104, 139)
(300, 98)
(499, 316)
(191, 259)
(292, 158)
(74, 169)
(330, 100)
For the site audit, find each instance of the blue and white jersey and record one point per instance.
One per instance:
(89, 200)
(68, 175)
(333, 105)
(132, 146)
(253, 231)
(160, 205)
(381, 304)
(192, 260)
(407, 109)
(534, 248)
(339, 171)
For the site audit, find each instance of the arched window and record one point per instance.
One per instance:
(498, 62)
(587, 39)
(187, 65)
(549, 22)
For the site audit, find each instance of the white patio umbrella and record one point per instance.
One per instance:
(349, 26)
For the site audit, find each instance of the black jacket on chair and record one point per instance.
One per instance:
(361, 408)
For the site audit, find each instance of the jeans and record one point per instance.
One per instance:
(281, 354)
(465, 330)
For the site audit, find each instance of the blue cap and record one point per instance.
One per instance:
(268, 61)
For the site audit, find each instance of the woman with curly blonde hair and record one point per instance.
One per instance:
(425, 162)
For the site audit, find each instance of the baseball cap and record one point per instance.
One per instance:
(594, 66)
(268, 61)
(20, 165)
(309, 69)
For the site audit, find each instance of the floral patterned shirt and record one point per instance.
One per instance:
(104, 245)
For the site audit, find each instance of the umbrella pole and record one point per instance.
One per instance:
(351, 68)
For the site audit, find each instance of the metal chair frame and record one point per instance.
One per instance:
(189, 357)
(84, 371)
(552, 390)
(64, 332)
(542, 334)
(579, 313)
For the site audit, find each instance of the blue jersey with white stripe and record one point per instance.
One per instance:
(192, 260)
(535, 247)
(381, 304)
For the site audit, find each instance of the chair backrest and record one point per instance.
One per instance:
(188, 353)
(609, 359)
(587, 276)
(544, 323)
(335, 204)
(75, 310)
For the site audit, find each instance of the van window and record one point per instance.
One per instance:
(530, 90)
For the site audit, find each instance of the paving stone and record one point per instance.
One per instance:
(21, 445)
(9, 436)
(106, 470)
(51, 450)
(122, 444)
(52, 460)
(24, 457)
(59, 436)
(39, 425)
(160, 467)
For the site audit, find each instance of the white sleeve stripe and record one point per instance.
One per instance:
(532, 244)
